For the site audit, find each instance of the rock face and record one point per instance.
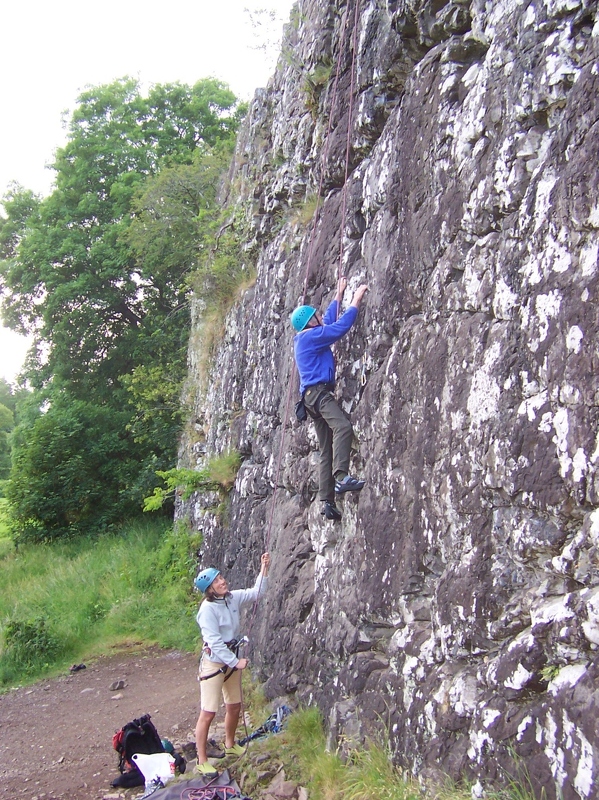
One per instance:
(456, 606)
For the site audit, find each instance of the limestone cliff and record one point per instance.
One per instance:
(456, 606)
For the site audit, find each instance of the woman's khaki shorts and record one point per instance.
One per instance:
(211, 689)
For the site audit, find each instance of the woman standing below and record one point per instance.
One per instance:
(220, 667)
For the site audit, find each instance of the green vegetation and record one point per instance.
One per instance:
(363, 773)
(100, 274)
(218, 473)
(9, 398)
(65, 600)
(305, 213)
(313, 84)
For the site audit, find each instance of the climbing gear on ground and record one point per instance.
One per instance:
(300, 410)
(203, 787)
(348, 484)
(206, 578)
(330, 511)
(138, 736)
(76, 668)
(274, 724)
(236, 750)
(302, 316)
(206, 769)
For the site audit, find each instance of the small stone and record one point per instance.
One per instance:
(116, 685)
(118, 696)
(302, 793)
(282, 788)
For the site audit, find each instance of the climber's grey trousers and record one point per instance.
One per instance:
(335, 434)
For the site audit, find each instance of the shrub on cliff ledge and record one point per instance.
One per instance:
(218, 473)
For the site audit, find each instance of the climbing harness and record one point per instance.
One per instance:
(234, 645)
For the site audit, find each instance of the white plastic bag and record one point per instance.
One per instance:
(155, 767)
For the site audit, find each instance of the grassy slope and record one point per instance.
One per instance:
(60, 602)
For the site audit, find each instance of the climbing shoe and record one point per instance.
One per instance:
(236, 750)
(206, 769)
(330, 511)
(348, 484)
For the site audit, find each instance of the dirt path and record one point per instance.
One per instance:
(56, 736)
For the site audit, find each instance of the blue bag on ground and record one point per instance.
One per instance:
(273, 724)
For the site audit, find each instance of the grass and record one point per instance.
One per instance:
(61, 601)
(367, 773)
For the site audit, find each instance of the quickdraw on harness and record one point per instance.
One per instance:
(233, 646)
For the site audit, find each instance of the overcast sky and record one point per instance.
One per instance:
(52, 49)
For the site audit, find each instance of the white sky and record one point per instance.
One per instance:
(52, 49)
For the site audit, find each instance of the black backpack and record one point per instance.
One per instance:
(139, 736)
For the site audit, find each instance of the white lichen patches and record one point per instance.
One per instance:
(518, 679)
(579, 465)
(479, 741)
(543, 200)
(529, 17)
(526, 722)
(588, 259)
(547, 307)
(484, 394)
(546, 423)
(555, 755)
(567, 676)
(556, 257)
(429, 719)
(504, 300)
(409, 688)
(591, 625)
(584, 778)
(561, 426)
(531, 405)
(488, 716)
(573, 339)
(554, 610)
(458, 419)
(463, 694)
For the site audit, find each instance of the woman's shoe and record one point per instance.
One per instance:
(206, 769)
(236, 750)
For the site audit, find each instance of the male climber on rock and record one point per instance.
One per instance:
(316, 367)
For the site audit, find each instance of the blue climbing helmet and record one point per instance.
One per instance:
(205, 578)
(301, 317)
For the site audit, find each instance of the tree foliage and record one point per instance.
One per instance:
(97, 272)
(9, 398)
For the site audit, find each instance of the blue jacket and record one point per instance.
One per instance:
(313, 354)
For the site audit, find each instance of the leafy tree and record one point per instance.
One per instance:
(97, 272)
(73, 278)
(70, 469)
(9, 398)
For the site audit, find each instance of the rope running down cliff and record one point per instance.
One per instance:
(291, 383)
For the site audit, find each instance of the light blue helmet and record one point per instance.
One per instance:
(205, 578)
(302, 316)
